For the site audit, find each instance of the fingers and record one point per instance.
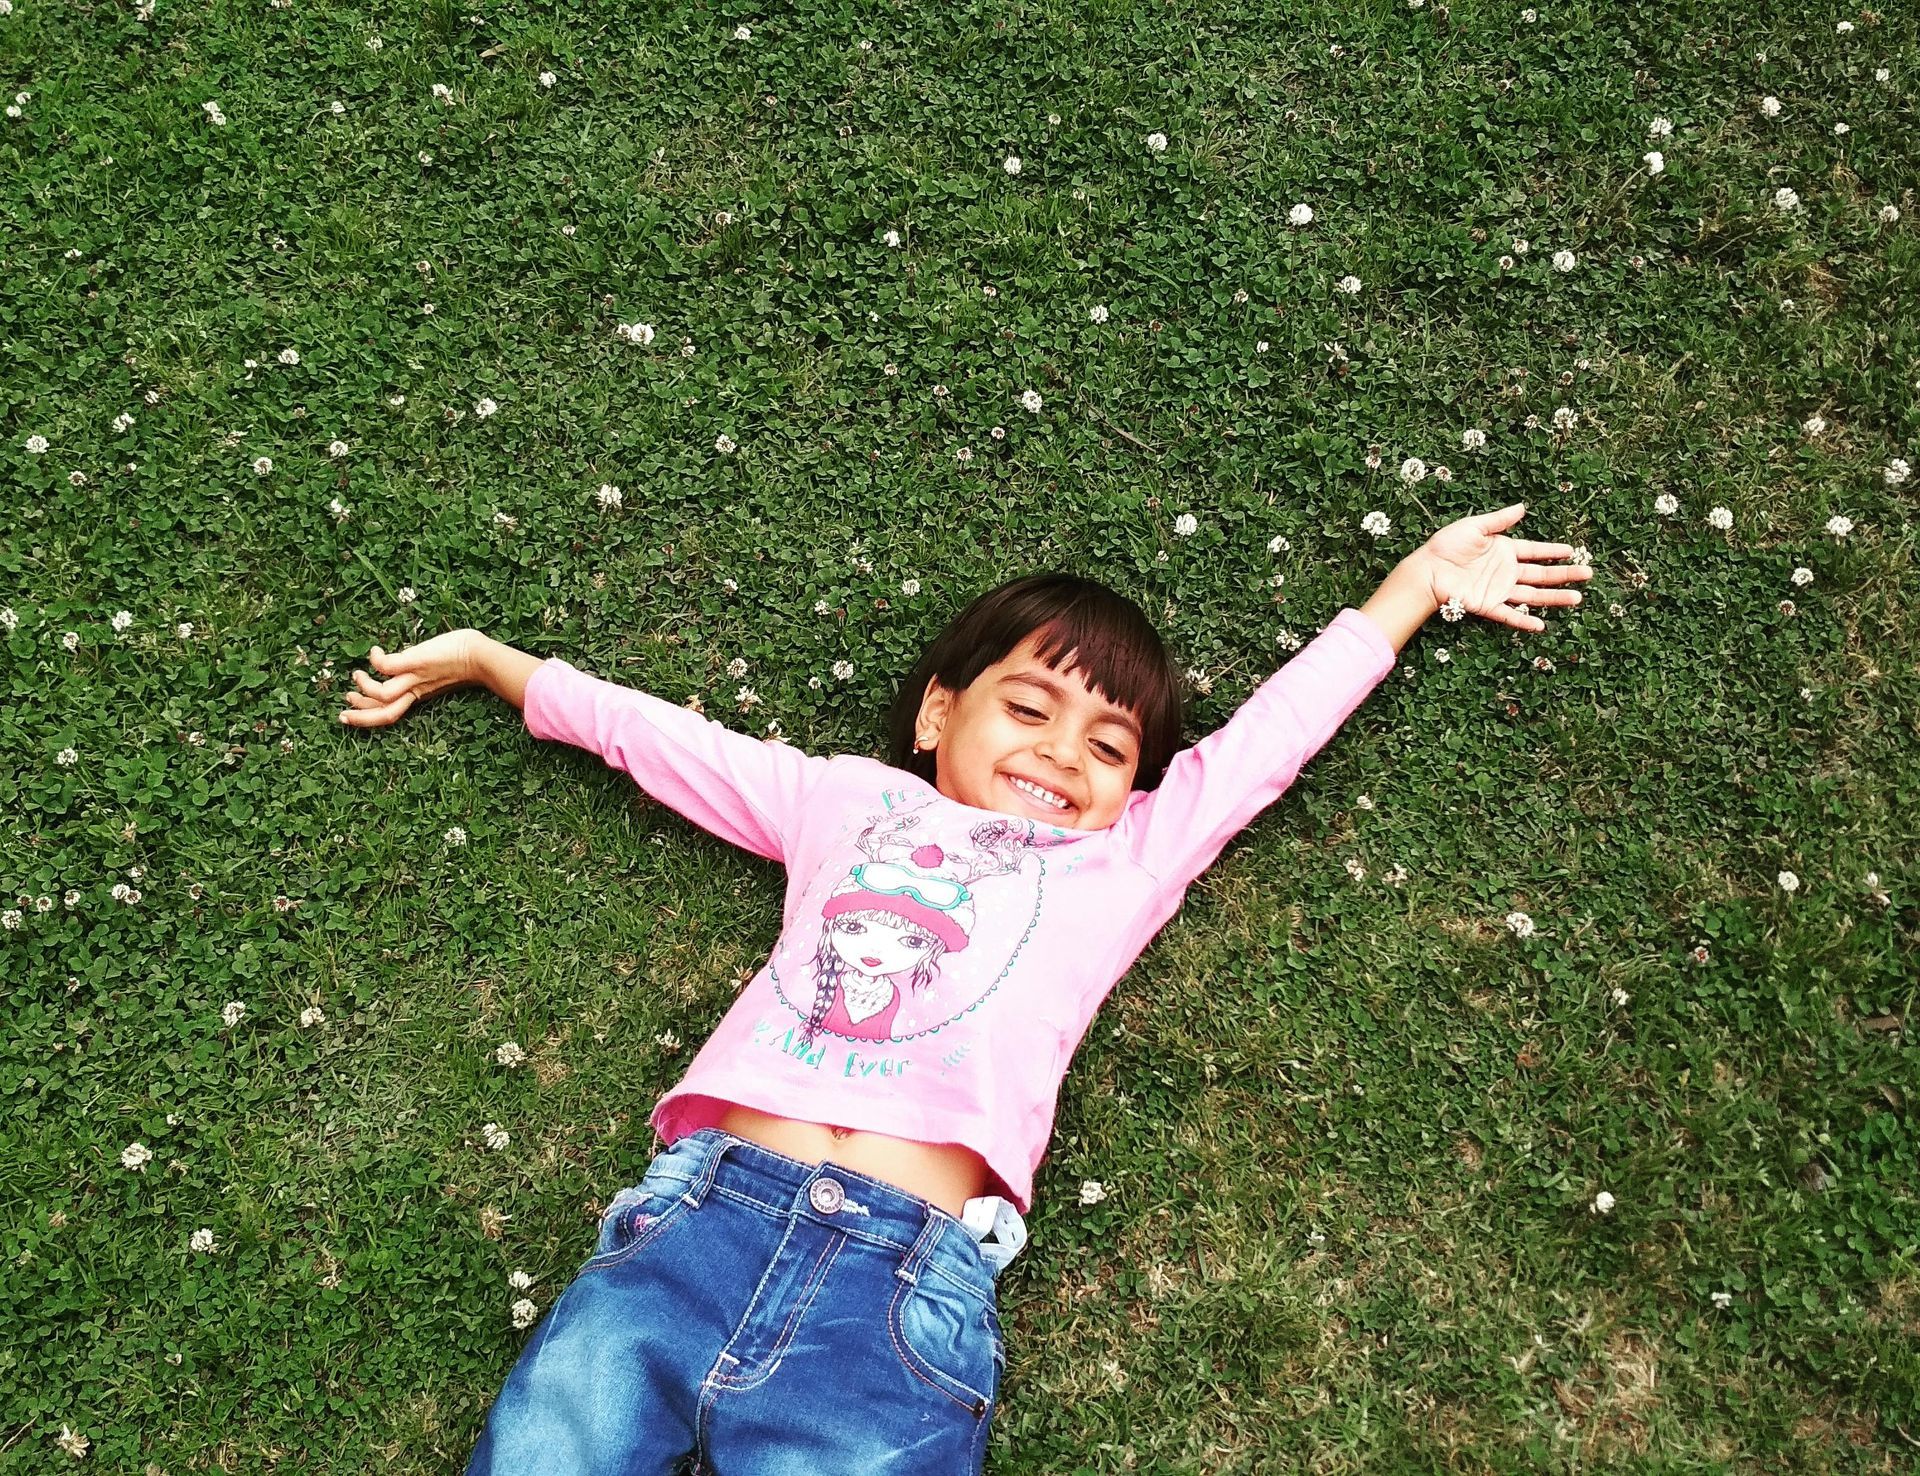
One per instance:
(388, 689)
(1527, 549)
(367, 712)
(1558, 573)
(1530, 595)
(1507, 615)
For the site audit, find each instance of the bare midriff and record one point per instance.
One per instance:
(940, 1173)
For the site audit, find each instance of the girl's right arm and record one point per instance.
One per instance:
(749, 791)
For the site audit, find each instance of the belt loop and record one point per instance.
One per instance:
(703, 1181)
(921, 1250)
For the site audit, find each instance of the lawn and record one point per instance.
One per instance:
(1530, 1089)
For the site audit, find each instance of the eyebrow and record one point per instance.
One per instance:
(1053, 689)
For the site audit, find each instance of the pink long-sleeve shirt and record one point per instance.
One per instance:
(938, 964)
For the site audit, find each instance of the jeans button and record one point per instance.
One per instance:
(827, 1195)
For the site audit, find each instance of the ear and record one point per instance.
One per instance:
(935, 703)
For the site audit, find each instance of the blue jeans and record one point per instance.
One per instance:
(747, 1314)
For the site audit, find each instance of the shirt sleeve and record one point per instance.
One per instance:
(750, 791)
(1216, 788)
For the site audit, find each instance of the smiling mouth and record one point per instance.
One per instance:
(1035, 800)
(872, 963)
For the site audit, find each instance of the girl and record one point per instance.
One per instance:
(804, 1279)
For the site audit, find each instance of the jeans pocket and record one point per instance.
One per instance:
(637, 1216)
(948, 1339)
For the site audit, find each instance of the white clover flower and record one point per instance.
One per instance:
(1506, 263)
(136, 1156)
(338, 509)
(1841, 129)
(1239, 296)
(1156, 143)
(1453, 610)
(1092, 1191)
(1521, 924)
(1842, 27)
(455, 836)
(821, 607)
(262, 465)
(1619, 995)
(1896, 472)
(1660, 128)
(519, 1281)
(337, 449)
(1788, 882)
(1355, 869)
(547, 79)
(121, 422)
(1261, 346)
(1279, 544)
(9, 620)
(1814, 424)
(526, 1313)
(1098, 313)
(1412, 470)
(1473, 439)
(1666, 504)
(737, 667)
(1655, 161)
(11, 919)
(742, 33)
(66, 758)
(724, 444)
(1030, 400)
(1839, 525)
(1770, 106)
(509, 1053)
(201, 1241)
(1300, 215)
(406, 594)
(723, 218)
(1520, 246)
(71, 640)
(1603, 1203)
(36, 445)
(609, 495)
(1881, 74)
(442, 93)
(1529, 15)
(289, 356)
(1443, 474)
(121, 620)
(1785, 199)
(232, 1013)
(1563, 261)
(1185, 525)
(892, 238)
(1565, 418)
(910, 587)
(1723, 1300)
(483, 407)
(1721, 518)
(842, 671)
(746, 697)
(1011, 164)
(1377, 523)
(495, 1135)
(1349, 284)
(1889, 214)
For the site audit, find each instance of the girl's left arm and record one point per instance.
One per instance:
(1215, 788)
(1404, 601)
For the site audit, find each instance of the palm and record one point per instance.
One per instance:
(1499, 577)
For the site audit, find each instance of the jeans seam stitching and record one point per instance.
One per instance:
(912, 1359)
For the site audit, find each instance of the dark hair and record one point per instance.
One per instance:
(1101, 632)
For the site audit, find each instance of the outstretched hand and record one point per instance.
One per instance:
(1499, 577)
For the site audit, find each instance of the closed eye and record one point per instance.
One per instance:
(1117, 756)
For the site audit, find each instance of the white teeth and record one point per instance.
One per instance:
(1038, 793)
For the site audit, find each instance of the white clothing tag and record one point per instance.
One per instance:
(997, 1226)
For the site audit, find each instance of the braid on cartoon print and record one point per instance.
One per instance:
(829, 968)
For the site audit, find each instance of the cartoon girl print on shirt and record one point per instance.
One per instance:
(892, 918)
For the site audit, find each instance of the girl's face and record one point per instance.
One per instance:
(871, 947)
(1021, 719)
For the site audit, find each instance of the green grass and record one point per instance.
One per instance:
(1350, 1127)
